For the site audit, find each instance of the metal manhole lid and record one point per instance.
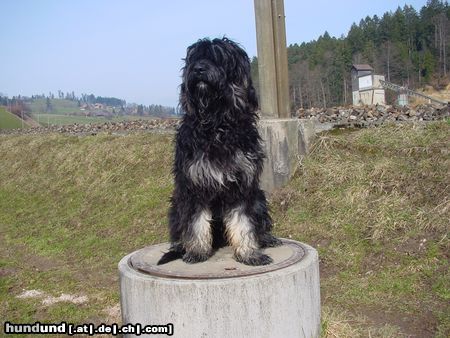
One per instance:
(220, 265)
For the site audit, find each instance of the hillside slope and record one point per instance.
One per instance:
(9, 121)
(375, 203)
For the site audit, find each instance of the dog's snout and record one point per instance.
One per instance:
(198, 68)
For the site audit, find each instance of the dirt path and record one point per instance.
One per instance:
(32, 123)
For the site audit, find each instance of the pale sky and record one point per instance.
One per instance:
(132, 49)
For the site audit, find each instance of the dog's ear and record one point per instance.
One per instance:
(183, 102)
(243, 70)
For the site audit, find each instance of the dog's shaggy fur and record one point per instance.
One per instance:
(218, 160)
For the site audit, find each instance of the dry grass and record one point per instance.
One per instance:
(371, 176)
(341, 324)
(374, 202)
(335, 325)
(71, 207)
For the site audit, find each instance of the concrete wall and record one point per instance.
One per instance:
(356, 98)
(379, 96)
(376, 81)
(372, 95)
(286, 141)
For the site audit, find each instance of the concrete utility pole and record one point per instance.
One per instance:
(272, 58)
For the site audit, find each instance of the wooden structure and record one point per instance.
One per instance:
(272, 58)
(285, 138)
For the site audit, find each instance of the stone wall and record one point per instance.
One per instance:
(374, 115)
(157, 125)
(328, 117)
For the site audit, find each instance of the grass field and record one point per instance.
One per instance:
(9, 121)
(63, 111)
(375, 203)
(59, 106)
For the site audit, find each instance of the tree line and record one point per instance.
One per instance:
(21, 104)
(408, 46)
(84, 98)
(155, 110)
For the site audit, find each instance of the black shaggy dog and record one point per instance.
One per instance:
(218, 160)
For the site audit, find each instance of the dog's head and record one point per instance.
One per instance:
(216, 74)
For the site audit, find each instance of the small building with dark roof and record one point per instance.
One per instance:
(366, 86)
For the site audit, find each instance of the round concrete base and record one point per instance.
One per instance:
(224, 298)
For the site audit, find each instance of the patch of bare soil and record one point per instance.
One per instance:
(419, 325)
(20, 253)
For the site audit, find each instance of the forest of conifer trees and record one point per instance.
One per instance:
(408, 46)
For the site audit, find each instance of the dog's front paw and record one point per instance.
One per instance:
(270, 241)
(256, 258)
(194, 257)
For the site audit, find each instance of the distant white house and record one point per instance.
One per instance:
(366, 86)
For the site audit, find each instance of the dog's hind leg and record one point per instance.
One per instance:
(260, 212)
(190, 232)
(242, 236)
(198, 239)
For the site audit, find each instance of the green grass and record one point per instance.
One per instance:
(9, 121)
(66, 112)
(72, 207)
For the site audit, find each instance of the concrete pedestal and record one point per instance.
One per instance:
(223, 298)
(285, 142)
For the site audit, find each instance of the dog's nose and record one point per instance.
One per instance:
(199, 69)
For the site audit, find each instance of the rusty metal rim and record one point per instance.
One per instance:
(154, 270)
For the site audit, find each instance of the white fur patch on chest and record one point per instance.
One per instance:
(207, 173)
(203, 172)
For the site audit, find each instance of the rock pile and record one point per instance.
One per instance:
(353, 116)
(374, 115)
(168, 125)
